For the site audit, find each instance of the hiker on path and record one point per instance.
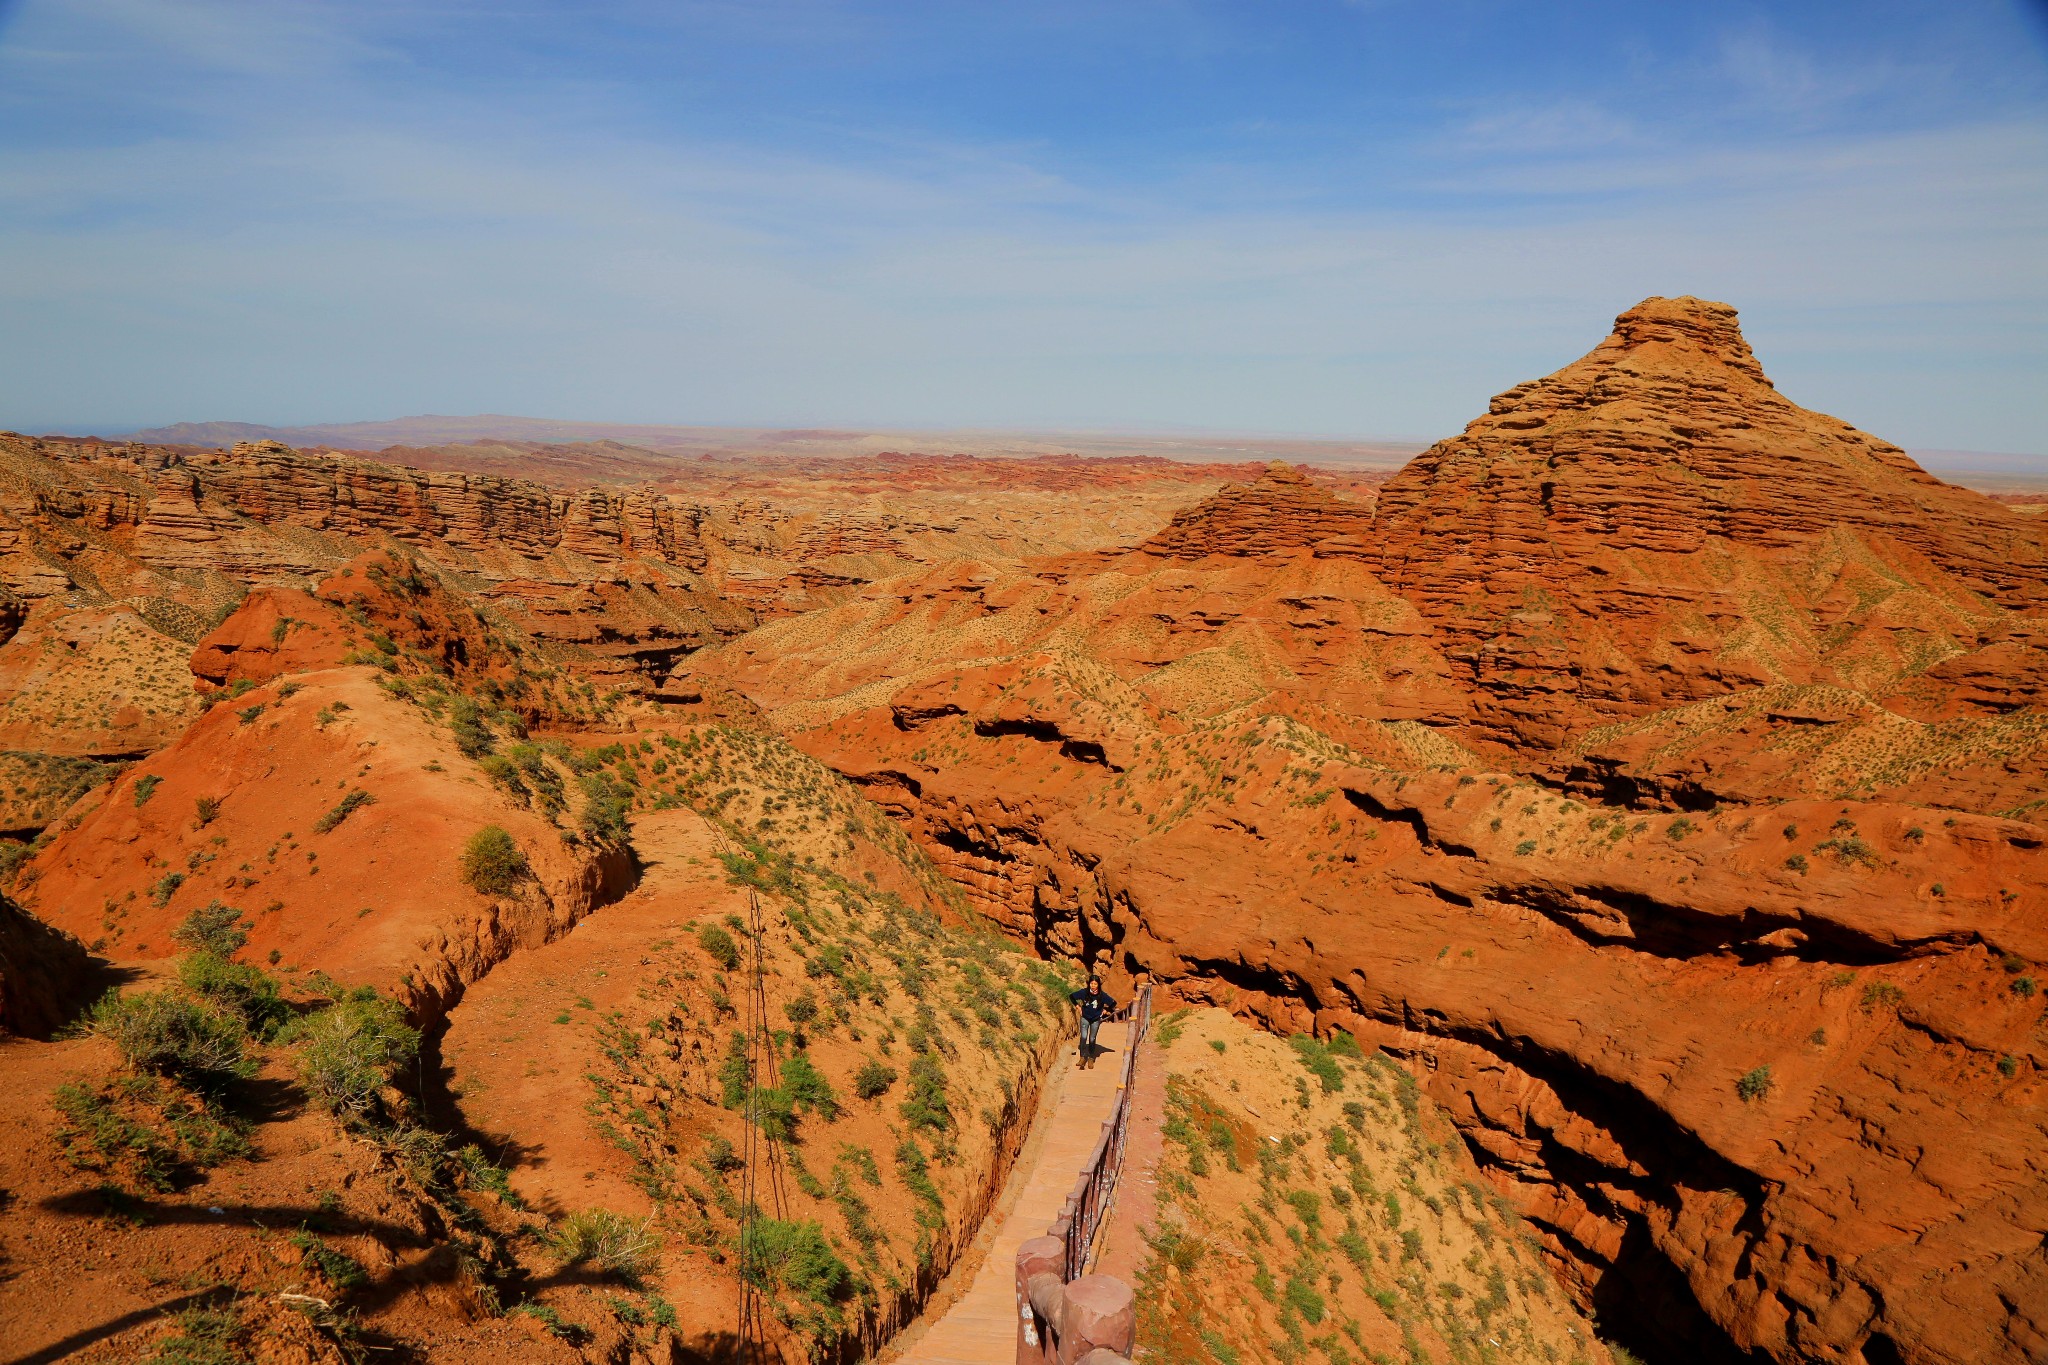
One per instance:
(1095, 1006)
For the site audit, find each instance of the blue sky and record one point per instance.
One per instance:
(1347, 217)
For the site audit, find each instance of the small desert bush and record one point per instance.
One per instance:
(808, 1089)
(246, 992)
(1753, 1084)
(792, 1257)
(873, 1079)
(925, 1106)
(611, 1241)
(718, 945)
(348, 1052)
(172, 1034)
(354, 801)
(491, 862)
(205, 1336)
(1317, 1057)
(212, 928)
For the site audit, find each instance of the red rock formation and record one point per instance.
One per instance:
(1765, 1073)
(1280, 512)
(1654, 523)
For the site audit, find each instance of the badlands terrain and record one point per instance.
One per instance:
(1613, 839)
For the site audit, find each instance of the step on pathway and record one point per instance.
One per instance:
(980, 1328)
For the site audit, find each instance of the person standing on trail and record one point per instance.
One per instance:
(1095, 1006)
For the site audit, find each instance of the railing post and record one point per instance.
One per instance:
(1097, 1312)
(1039, 1264)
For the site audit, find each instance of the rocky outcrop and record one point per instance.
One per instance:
(1655, 523)
(1276, 514)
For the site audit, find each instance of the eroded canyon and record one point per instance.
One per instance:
(1653, 772)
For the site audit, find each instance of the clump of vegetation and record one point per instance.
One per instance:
(1319, 1059)
(213, 928)
(1753, 1084)
(873, 1079)
(718, 945)
(780, 1256)
(1881, 994)
(205, 1336)
(492, 862)
(145, 787)
(171, 1034)
(144, 1132)
(924, 1106)
(248, 993)
(348, 1052)
(349, 804)
(614, 1242)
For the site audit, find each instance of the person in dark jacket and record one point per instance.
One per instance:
(1095, 1006)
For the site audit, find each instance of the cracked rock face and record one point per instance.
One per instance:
(1657, 766)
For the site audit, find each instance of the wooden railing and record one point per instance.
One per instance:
(1065, 1313)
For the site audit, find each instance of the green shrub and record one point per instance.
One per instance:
(205, 810)
(2023, 987)
(1302, 1297)
(808, 1089)
(1753, 1084)
(491, 862)
(1881, 993)
(98, 1137)
(349, 1051)
(1316, 1057)
(792, 1257)
(145, 787)
(485, 1174)
(801, 1010)
(873, 1079)
(205, 1336)
(246, 992)
(718, 945)
(213, 928)
(353, 801)
(606, 804)
(173, 1034)
(611, 1241)
(736, 1072)
(925, 1104)
(465, 721)
(721, 1156)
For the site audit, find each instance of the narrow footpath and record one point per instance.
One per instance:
(980, 1326)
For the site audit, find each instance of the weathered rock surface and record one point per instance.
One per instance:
(1655, 523)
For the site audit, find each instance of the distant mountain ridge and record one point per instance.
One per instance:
(435, 430)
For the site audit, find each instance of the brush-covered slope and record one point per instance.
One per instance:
(1312, 1199)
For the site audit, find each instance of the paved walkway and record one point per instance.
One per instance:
(980, 1327)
